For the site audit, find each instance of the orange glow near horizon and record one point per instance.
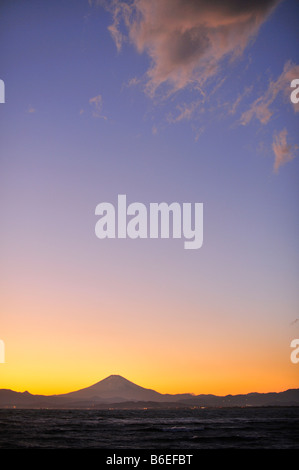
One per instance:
(59, 354)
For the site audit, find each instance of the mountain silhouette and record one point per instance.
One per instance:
(115, 388)
(117, 392)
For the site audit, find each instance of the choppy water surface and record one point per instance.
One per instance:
(255, 428)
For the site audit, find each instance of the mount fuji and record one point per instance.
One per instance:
(117, 392)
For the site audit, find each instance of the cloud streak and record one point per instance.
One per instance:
(261, 107)
(97, 104)
(283, 151)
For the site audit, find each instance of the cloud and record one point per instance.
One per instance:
(187, 40)
(240, 97)
(119, 10)
(283, 151)
(133, 81)
(185, 111)
(97, 104)
(31, 110)
(260, 108)
(154, 130)
(191, 42)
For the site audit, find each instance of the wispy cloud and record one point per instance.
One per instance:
(97, 104)
(120, 11)
(154, 130)
(185, 111)
(283, 151)
(240, 97)
(186, 40)
(261, 107)
(31, 110)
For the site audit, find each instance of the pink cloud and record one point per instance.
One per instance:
(261, 107)
(97, 104)
(283, 151)
(185, 111)
(186, 40)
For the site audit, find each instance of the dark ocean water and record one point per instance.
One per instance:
(236, 428)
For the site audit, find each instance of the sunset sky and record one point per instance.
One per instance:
(161, 100)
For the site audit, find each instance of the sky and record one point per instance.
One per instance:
(161, 101)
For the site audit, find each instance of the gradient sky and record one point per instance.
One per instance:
(165, 100)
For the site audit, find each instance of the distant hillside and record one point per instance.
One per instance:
(116, 391)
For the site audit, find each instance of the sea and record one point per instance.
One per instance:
(151, 429)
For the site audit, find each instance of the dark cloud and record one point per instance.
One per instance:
(187, 39)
